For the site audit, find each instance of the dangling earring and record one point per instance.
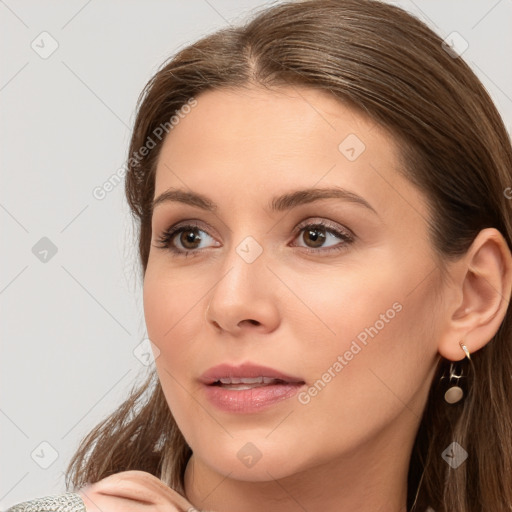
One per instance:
(455, 393)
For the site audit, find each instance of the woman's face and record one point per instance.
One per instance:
(308, 255)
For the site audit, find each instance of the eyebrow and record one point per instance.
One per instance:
(277, 204)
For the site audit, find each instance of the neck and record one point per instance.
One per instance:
(371, 480)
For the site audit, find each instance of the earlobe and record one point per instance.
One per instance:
(484, 295)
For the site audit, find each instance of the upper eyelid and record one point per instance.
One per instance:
(307, 222)
(196, 223)
(323, 222)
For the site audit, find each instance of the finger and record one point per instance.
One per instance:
(98, 502)
(141, 486)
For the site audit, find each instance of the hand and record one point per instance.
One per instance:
(133, 491)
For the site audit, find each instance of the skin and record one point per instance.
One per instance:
(132, 491)
(348, 448)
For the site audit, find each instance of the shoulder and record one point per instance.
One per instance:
(112, 493)
(68, 502)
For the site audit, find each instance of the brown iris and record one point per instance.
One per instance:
(316, 236)
(190, 238)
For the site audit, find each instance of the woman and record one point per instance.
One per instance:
(325, 237)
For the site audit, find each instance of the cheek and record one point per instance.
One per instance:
(380, 362)
(338, 307)
(168, 310)
(170, 301)
(373, 340)
(174, 305)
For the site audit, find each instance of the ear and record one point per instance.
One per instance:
(483, 281)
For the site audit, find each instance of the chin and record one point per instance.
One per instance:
(259, 460)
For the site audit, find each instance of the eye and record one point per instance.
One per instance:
(185, 239)
(316, 237)
(323, 235)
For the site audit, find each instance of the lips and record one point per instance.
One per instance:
(248, 388)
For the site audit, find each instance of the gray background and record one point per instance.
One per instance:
(72, 320)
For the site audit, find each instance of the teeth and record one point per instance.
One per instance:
(248, 380)
(244, 380)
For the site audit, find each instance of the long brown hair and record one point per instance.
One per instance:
(455, 148)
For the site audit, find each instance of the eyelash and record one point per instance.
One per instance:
(165, 239)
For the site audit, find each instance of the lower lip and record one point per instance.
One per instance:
(250, 400)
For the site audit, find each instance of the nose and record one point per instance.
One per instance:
(244, 298)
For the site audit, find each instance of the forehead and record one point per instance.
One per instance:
(258, 120)
(268, 141)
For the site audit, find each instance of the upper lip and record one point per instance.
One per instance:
(246, 370)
